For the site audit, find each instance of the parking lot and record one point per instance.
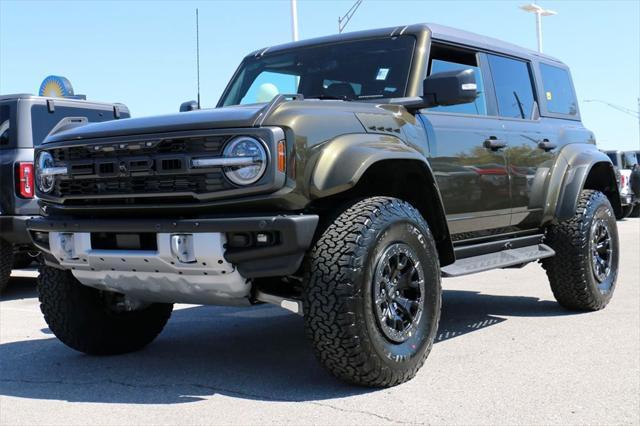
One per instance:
(506, 353)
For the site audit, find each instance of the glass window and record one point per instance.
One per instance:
(629, 160)
(6, 137)
(479, 106)
(356, 70)
(558, 90)
(614, 158)
(514, 90)
(43, 121)
(268, 84)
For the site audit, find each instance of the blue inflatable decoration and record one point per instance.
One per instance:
(55, 86)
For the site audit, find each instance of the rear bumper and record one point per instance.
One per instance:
(282, 258)
(13, 229)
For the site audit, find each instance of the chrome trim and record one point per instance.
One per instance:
(224, 162)
(53, 171)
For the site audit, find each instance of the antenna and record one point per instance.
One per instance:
(198, 55)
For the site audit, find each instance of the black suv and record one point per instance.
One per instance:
(25, 120)
(339, 178)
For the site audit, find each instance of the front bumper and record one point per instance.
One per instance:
(181, 261)
(13, 229)
(282, 258)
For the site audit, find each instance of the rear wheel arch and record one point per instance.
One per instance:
(580, 167)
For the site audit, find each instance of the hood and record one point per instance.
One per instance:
(217, 118)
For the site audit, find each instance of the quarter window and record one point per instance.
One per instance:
(514, 90)
(558, 90)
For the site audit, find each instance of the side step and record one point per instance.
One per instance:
(504, 258)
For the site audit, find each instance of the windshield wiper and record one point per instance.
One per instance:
(329, 97)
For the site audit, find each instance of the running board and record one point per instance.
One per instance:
(497, 260)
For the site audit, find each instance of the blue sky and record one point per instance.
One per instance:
(143, 53)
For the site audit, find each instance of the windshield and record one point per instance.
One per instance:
(353, 70)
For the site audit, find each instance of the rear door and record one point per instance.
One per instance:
(466, 144)
(532, 141)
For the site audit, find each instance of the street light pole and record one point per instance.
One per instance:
(540, 12)
(294, 20)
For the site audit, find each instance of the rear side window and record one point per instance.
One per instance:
(514, 87)
(558, 90)
(43, 121)
(7, 128)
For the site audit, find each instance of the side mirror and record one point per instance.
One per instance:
(450, 88)
(188, 106)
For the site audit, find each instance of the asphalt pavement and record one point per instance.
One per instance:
(506, 353)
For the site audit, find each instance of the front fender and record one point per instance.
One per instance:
(344, 160)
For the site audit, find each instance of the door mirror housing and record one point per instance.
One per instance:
(450, 88)
(189, 106)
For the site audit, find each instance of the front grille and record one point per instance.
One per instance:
(139, 168)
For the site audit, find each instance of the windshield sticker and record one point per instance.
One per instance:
(382, 74)
(549, 97)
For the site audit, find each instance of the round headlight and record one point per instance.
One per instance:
(242, 147)
(45, 183)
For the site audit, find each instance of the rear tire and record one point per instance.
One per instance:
(583, 272)
(85, 319)
(636, 211)
(6, 263)
(372, 296)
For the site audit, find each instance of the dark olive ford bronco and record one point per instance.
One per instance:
(339, 178)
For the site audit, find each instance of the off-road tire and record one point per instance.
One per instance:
(79, 316)
(338, 299)
(6, 263)
(22, 260)
(571, 271)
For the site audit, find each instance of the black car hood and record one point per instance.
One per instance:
(217, 118)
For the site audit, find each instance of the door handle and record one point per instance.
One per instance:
(546, 145)
(494, 143)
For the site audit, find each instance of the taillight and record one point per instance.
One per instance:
(25, 180)
(622, 181)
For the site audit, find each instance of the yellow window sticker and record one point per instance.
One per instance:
(549, 96)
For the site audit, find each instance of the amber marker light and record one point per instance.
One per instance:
(281, 157)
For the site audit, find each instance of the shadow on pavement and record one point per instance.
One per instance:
(258, 353)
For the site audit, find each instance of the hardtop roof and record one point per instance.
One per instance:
(438, 32)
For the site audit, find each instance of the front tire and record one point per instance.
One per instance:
(372, 297)
(88, 320)
(583, 272)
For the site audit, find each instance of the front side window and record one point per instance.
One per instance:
(351, 70)
(558, 90)
(514, 89)
(444, 58)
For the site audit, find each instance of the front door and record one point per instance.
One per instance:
(467, 153)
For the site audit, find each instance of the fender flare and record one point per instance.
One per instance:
(570, 175)
(344, 160)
